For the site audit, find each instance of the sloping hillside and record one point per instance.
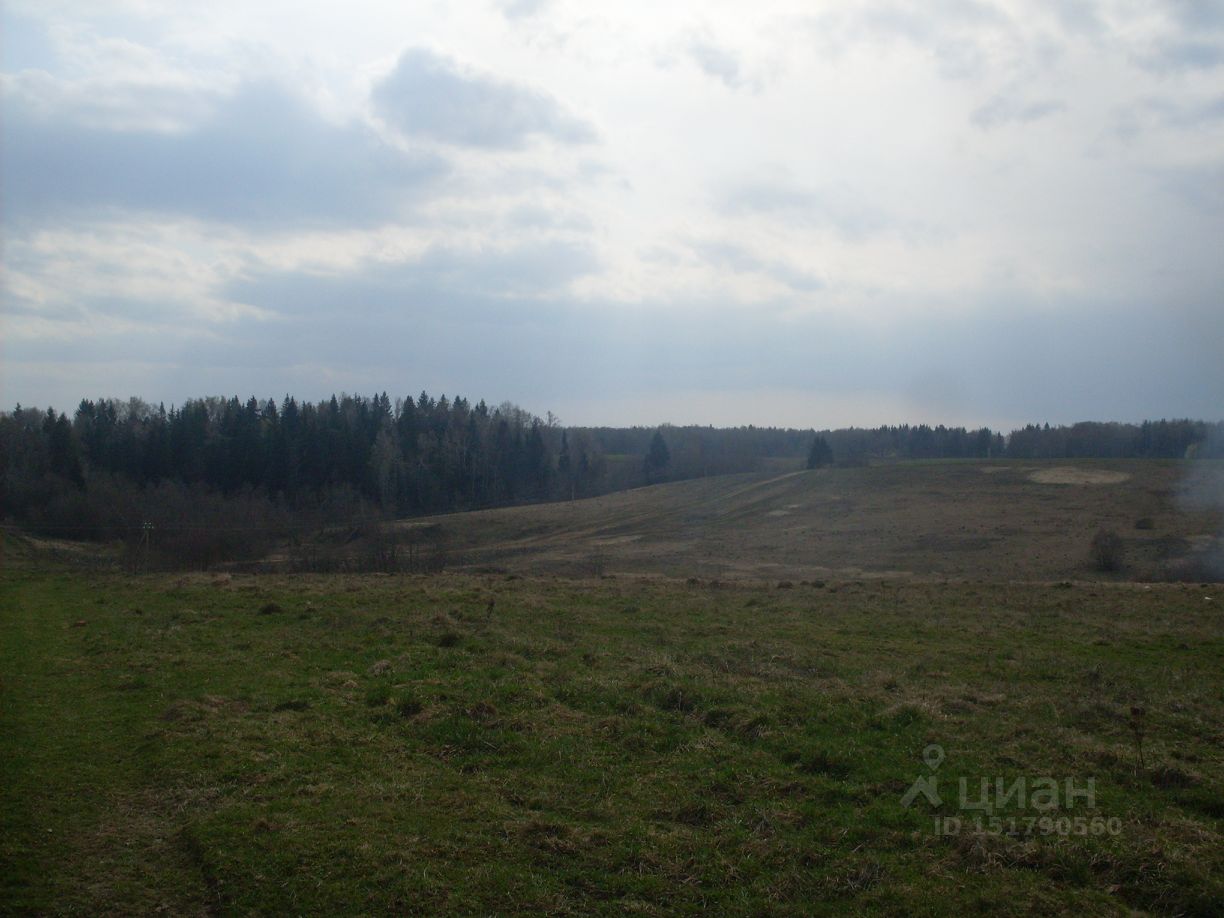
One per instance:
(1002, 520)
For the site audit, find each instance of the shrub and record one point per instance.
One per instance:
(1108, 552)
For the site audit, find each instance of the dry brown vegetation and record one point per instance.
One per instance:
(960, 520)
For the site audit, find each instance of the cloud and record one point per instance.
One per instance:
(480, 318)
(522, 9)
(1200, 113)
(1179, 55)
(1081, 17)
(717, 62)
(1174, 113)
(1198, 15)
(839, 207)
(963, 36)
(728, 256)
(176, 199)
(369, 330)
(534, 216)
(152, 106)
(78, 282)
(921, 25)
(259, 156)
(1006, 109)
(1199, 186)
(429, 96)
(460, 281)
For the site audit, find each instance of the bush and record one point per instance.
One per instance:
(1108, 552)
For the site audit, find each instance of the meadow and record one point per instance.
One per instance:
(497, 744)
(893, 690)
(996, 520)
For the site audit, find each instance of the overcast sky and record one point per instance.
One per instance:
(775, 213)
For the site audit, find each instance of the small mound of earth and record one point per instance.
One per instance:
(1073, 476)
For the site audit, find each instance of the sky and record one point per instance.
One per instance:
(780, 213)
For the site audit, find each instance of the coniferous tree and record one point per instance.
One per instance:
(820, 454)
(658, 458)
(565, 469)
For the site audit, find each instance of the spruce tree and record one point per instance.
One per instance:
(820, 454)
(658, 458)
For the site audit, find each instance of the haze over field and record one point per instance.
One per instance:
(808, 215)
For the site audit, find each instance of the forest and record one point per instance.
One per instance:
(225, 466)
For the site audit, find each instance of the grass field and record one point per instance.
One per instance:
(502, 744)
(997, 520)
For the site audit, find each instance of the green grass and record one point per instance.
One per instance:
(366, 745)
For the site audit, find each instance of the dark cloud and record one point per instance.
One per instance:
(1006, 109)
(428, 96)
(260, 157)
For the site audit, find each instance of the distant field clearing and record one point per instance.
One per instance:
(1074, 476)
(939, 519)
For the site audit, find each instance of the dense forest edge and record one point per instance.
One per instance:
(217, 479)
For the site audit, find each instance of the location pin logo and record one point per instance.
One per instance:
(933, 755)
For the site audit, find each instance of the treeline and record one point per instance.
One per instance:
(222, 479)
(258, 466)
(695, 451)
(416, 456)
(1179, 439)
(914, 442)
(1183, 439)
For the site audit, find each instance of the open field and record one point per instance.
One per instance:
(963, 520)
(706, 695)
(492, 744)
